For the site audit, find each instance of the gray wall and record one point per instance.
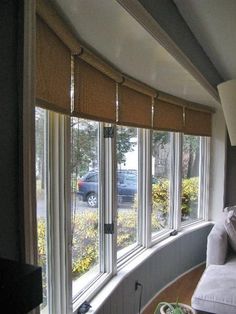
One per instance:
(157, 271)
(10, 95)
(230, 181)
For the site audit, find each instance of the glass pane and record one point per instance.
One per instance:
(127, 181)
(85, 195)
(190, 178)
(161, 161)
(40, 145)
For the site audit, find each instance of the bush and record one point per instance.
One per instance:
(127, 228)
(85, 239)
(42, 256)
(190, 192)
(160, 196)
(85, 242)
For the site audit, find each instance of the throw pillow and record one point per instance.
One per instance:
(230, 226)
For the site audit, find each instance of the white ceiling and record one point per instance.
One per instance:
(107, 28)
(213, 22)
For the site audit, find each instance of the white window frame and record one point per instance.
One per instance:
(58, 222)
(163, 234)
(105, 202)
(204, 172)
(135, 248)
(58, 192)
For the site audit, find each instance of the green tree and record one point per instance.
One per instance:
(39, 147)
(85, 148)
(124, 143)
(84, 145)
(160, 139)
(190, 156)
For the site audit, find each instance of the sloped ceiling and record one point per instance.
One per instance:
(107, 28)
(213, 22)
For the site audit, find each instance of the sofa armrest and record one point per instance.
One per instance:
(217, 245)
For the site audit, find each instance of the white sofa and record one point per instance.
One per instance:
(216, 290)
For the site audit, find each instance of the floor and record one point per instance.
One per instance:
(183, 289)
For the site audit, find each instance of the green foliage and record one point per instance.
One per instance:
(42, 256)
(84, 134)
(160, 138)
(189, 195)
(85, 239)
(160, 196)
(127, 228)
(124, 143)
(174, 308)
(85, 242)
(160, 204)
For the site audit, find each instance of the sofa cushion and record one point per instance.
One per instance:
(217, 245)
(216, 290)
(230, 226)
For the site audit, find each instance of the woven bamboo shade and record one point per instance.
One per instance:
(197, 122)
(53, 77)
(139, 86)
(49, 15)
(100, 65)
(167, 116)
(135, 108)
(95, 93)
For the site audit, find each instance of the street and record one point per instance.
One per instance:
(80, 205)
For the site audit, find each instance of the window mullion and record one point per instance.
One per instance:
(67, 212)
(204, 168)
(202, 179)
(101, 202)
(140, 183)
(177, 180)
(172, 217)
(146, 187)
(109, 202)
(56, 209)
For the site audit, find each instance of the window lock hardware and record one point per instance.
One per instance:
(174, 233)
(108, 131)
(109, 228)
(84, 308)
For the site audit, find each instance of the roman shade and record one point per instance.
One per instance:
(135, 108)
(197, 122)
(101, 92)
(49, 15)
(138, 86)
(100, 65)
(53, 66)
(95, 93)
(167, 116)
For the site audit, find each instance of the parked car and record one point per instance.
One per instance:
(87, 187)
(126, 186)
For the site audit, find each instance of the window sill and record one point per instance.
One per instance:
(92, 290)
(102, 296)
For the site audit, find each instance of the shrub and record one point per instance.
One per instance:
(42, 256)
(127, 228)
(85, 242)
(160, 196)
(190, 192)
